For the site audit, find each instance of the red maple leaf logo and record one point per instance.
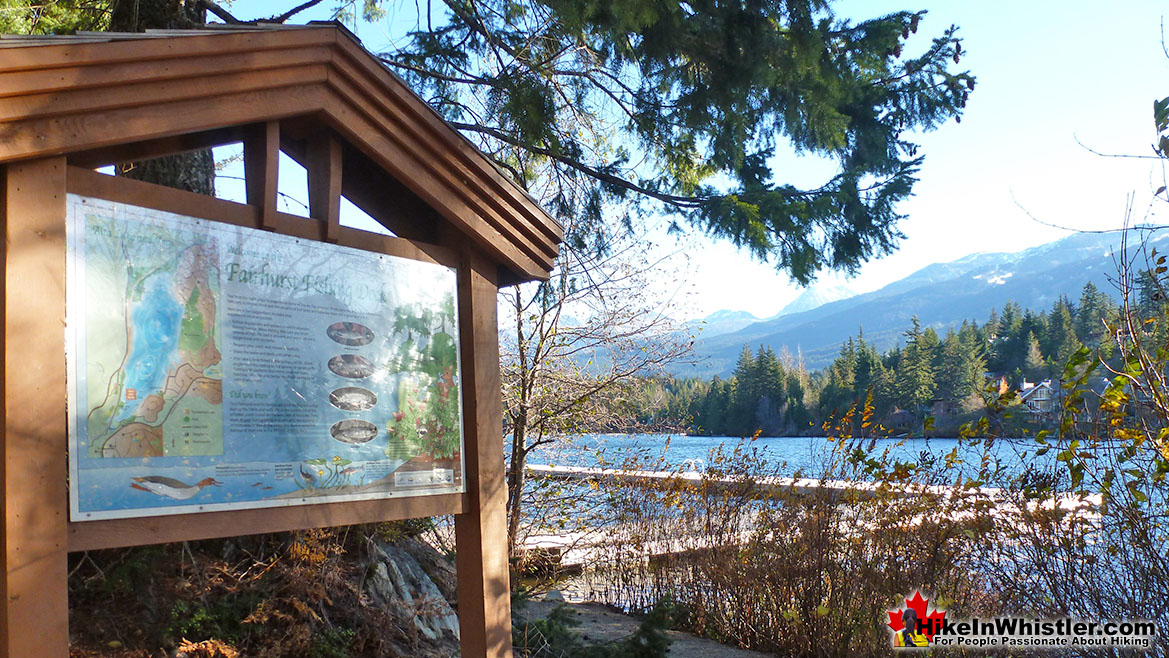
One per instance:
(931, 622)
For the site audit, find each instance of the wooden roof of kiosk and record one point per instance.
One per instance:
(71, 104)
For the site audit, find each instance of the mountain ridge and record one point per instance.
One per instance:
(942, 295)
(814, 297)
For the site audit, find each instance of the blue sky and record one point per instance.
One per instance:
(1055, 79)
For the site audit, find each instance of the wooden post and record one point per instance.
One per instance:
(262, 170)
(481, 532)
(34, 612)
(324, 184)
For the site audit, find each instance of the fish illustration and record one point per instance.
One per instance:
(352, 366)
(350, 333)
(353, 431)
(171, 488)
(353, 398)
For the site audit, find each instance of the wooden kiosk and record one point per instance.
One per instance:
(70, 105)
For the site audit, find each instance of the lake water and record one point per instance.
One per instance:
(156, 320)
(788, 455)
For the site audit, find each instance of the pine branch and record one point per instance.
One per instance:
(294, 11)
(672, 199)
(434, 74)
(220, 12)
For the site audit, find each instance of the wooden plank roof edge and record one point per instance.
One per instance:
(157, 122)
(333, 32)
(138, 93)
(89, 36)
(485, 197)
(26, 83)
(510, 253)
(474, 170)
(69, 51)
(436, 189)
(393, 83)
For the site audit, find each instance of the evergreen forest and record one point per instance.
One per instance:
(946, 376)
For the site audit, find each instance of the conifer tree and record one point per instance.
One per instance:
(744, 396)
(972, 370)
(838, 391)
(679, 106)
(870, 370)
(992, 334)
(1094, 307)
(713, 419)
(797, 416)
(915, 373)
(770, 384)
(1009, 346)
(950, 374)
(1061, 336)
(1034, 367)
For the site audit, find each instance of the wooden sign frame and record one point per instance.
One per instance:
(338, 144)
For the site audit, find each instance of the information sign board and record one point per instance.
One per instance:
(217, 367)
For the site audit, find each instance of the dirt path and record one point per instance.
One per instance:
(603, 624)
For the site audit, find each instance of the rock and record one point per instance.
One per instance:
(554, 595)
(435, 564)
(398, 583)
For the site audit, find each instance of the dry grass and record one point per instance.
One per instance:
(293, 595)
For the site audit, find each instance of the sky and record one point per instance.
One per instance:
(1054, 80)
(1061, 86)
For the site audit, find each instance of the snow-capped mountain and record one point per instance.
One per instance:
(941, 295)
(814, 297)
(722, 322)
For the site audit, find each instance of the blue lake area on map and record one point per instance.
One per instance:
(155, 328)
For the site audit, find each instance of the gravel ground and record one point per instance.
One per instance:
(602, 623)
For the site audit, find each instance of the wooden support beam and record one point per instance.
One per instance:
(481, 531)
(262, 170)
(388, 201)
(138, 193)
(156, 148)
(378, 194)
(324, 183)
(34, 608)
(113, 533)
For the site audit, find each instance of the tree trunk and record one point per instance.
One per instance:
(193, 172)
(515, 484)
(142, 15)
(519, 432)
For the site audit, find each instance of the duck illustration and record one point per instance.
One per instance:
(170, 487)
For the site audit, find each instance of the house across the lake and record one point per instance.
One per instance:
(1038, 398)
